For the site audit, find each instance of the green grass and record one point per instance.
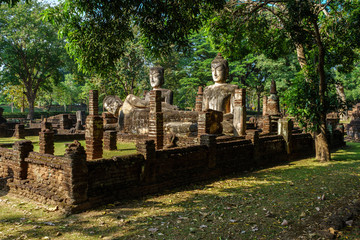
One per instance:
(241, 206)
(123, 148)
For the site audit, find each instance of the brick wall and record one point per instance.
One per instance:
(7, 166)
(46, 179)
(75, 184)
(69, 137)
(111, 179)
(302, 145)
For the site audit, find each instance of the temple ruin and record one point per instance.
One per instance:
(213, 140)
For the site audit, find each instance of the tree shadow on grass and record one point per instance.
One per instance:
(248, 205)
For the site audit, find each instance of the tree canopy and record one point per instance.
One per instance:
(30, 51)
(97, 30)
(323, 33)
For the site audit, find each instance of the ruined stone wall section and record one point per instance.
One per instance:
(46, 178)
(42, 177)
(235, 155)
(9, 161)
(110, 179)
(75, 184)
(302, 145)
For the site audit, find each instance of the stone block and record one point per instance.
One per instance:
(239, 121)
(110, 140)
(19, 131)
(209, 122)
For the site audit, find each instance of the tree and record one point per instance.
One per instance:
(11, 2)
(14, 94)
(323, 33)
(350, 82)
(97, 31)
(30, 51)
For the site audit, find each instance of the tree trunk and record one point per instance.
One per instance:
(300, 52)
(322, 147)
(321, 144)
(49, 106)
(258, 103)
(31, 101)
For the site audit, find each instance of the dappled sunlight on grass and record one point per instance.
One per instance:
(249, 205)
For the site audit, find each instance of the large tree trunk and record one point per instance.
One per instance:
(322, 147)
(321, 144)
(31, 108)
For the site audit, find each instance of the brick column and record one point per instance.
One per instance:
(23, 149)
(94, 129)
(209, 122)
(240, 112)
(110, 140)
(199, 100)
(156, 119)
(80, 116)
(19, 131)
(64, 121)
(76, 171)
(253, 136)
(46, 138)
(209, 140)
(285, 127)
(110, 121)
(148, 150)
(265, 98)
(267, 124)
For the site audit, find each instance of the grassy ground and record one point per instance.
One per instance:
(123, 148)
(265, 204)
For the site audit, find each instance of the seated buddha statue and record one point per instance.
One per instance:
(220, 95)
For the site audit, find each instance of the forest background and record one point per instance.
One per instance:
(66, 82)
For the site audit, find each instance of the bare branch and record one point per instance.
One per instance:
(323, 8)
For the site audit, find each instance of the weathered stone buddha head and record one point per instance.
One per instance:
(156, 77)
(219, 69)
(112, 104)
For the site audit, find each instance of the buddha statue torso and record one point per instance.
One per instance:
(219, 96)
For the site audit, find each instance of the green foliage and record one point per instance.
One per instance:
(30, 51)
(97, 31)
(351, 83)
(327, 32)
(12, 3)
